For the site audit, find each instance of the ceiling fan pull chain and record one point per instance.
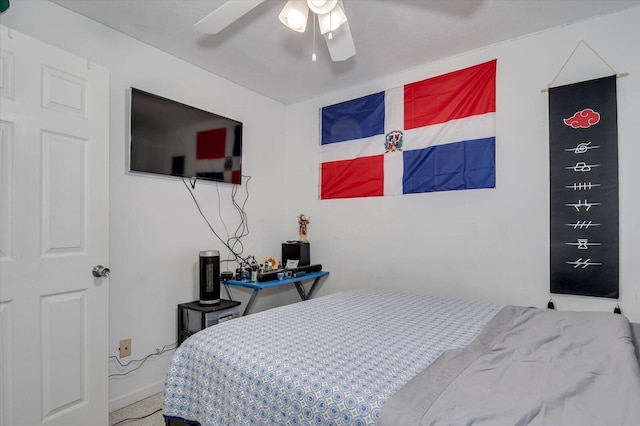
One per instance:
(313, 56)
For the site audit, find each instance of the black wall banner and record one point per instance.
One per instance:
(583, 157)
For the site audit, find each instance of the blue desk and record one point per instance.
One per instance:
(257, 286)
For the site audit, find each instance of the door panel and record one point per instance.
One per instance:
(6, 187)
(63, 352)
(64, 193)
(6, 364)
(54, 133)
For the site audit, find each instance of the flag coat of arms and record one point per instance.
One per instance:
(436, 134)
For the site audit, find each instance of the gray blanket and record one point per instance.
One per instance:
(529, 366)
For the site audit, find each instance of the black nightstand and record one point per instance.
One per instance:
(193, 317)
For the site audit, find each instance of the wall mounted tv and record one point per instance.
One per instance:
(174, 139)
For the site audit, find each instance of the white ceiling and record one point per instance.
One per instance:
(260, 53)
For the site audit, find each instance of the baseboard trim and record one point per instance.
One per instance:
(135, 396)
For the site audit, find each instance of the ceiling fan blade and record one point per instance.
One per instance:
(341, 46)
(225, 15)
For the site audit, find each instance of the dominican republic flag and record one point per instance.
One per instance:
(432, 135)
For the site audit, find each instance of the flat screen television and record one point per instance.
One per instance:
(174, 139)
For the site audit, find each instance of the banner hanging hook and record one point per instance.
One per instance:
(613, 71)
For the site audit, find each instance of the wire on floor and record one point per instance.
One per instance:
(130, 419)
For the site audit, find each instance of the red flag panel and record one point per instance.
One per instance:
(359, 177)
(458, 94)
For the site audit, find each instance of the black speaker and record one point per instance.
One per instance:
(296, 250)
(209, 277)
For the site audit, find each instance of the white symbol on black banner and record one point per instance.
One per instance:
(582, 148)
(583, 186)
(582, 224)
(583, 263)
(583, 244)
(582, 167)
(584, 203)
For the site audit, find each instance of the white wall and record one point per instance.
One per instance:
(481, 244)
(156, 231)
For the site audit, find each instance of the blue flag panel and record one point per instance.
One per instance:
(462, 165)
(354, 119)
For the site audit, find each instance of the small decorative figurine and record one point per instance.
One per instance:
(303, 222)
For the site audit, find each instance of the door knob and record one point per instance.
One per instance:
(101, 271)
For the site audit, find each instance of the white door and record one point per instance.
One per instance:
(54, 212)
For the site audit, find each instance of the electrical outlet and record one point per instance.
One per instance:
(125, 348)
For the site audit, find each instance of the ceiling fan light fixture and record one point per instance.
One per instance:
(320, 7)
(332, 20)
(294, 15)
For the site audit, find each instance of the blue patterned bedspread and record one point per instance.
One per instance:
(333, 360)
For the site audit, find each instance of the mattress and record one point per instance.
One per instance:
(333, 360)
(529, 367)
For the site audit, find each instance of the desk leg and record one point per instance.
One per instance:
(313, 287)
(301, 292)
(226, 287)
(250, 302)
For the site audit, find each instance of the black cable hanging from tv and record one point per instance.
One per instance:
(241, 231)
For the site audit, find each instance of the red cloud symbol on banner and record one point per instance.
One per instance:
(583, 119)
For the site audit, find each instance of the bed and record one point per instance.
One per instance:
(381, 357)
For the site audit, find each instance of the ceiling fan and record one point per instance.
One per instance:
(330, 14)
